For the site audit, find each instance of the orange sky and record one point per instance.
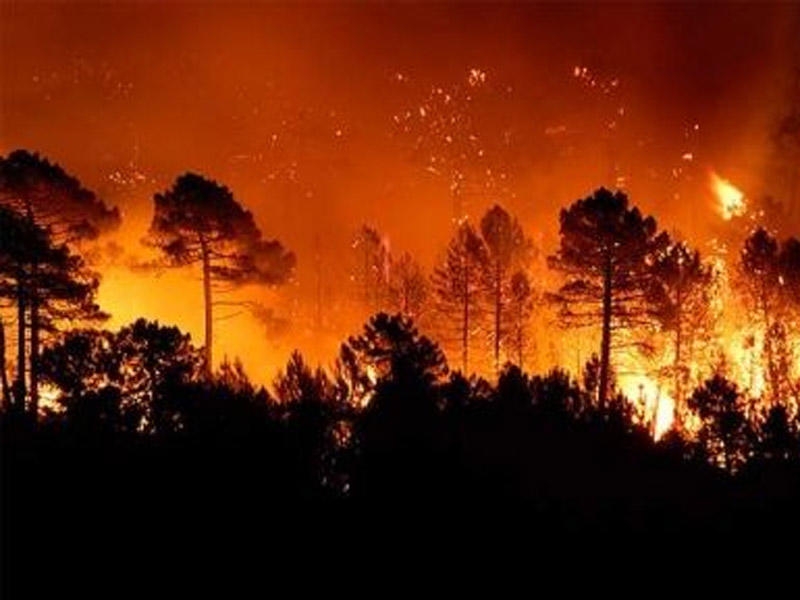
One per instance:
(292, 107)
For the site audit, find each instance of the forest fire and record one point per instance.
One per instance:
(731, 199)
(396, 256)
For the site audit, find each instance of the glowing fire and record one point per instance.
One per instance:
(731, 199)
(49, 395)
(657, 406)
(664, 416)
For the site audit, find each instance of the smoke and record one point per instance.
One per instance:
(291, 107)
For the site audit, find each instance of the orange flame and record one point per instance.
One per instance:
(657, 406)
(731, 199)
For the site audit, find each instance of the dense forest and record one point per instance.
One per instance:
(142, 411)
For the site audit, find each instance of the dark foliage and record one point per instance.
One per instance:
(392, 430)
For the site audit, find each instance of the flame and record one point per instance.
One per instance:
(657, 407)
(372, 374)
(664, 416)
(731, 199)
(49, 395)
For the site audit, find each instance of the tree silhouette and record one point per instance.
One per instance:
(725, 432)
(459, 284)
(42, 191)
(393, 349)
(606, 247)
(789, 266)
(408, 286)
(508, 251)
(5, 388)
(680, 301)
(140, 368)
(48, 278)
(760, 279)
(778, 435)
(317, 416)
(53, 200)
(198, 221)
(398, 433)
(520, 309)
(371, 267)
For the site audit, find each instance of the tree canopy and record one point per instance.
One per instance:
(199, 222)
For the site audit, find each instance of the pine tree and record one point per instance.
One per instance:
(760, 284)
(199, 222)
(36, 272)
(520, 308)
(508, 251)
(408, 286)
(50, 198)
(370, 274)
(680, 301)
(459, 286)
(605, 251)
(725, 432)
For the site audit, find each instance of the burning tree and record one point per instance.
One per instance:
(408, 286)
(681, 304)
(605, 254)
(760, 279)
(459, 284)
(508, 252)
(371, 267)
(789, 279)
(58, 211)
(520, 308)
(199, 222)
(789, 265)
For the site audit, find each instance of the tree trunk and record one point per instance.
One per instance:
(678, 341)
(772, 375)
(605, 343)
(6, 393)
(33, 300)
(465, 322)
(34, 357)
(498, 302)
(19, 384)
(207, 300)
(520, 340)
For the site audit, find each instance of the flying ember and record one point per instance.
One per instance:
(265, 255)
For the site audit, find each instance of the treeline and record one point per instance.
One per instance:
(390, 424)
(619, 275)
(47, 276)
(654, 298)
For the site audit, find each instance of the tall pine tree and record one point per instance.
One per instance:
(199, 222)
(605, 252)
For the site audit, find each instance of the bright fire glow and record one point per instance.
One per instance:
(49, 396)
(658, 408)
(731, 199)
(664, 415)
